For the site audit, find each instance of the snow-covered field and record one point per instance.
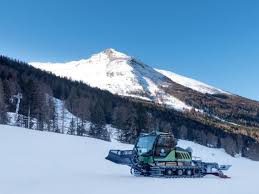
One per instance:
(34, 162)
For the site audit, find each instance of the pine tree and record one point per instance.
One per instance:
(50, 114)
(29, 123)
(97, 128)
(80, 130)
(3, 110)
(72, 127)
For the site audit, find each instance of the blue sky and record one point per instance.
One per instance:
(216, 42)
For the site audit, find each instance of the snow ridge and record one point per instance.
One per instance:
(191, 83)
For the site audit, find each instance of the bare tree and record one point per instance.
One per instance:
(63, 116)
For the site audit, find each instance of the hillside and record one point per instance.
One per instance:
(130, 115)
(124, 75)
(39, 162)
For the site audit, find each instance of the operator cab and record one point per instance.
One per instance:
(145, 144)
(165, 144)
(157, 144)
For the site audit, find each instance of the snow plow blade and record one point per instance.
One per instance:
(215, 169)
(224, 167)
(122, 157)
(220, 175)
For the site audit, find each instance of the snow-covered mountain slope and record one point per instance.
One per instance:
(34, 162)
(63, 121)
(124, 75)
(191, 83)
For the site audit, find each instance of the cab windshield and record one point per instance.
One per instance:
(145, 144)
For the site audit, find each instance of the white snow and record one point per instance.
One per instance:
(11, 118)
(191, 83)
(65, 117)
(34, 162)
(118, 73)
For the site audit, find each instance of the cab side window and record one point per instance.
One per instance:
(164, 145)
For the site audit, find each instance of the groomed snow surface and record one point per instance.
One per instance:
(34, 162)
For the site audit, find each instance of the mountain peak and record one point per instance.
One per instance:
(113, 54)
(109, 50)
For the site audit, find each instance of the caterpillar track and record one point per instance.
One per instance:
(180, 171)
(169, 172)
